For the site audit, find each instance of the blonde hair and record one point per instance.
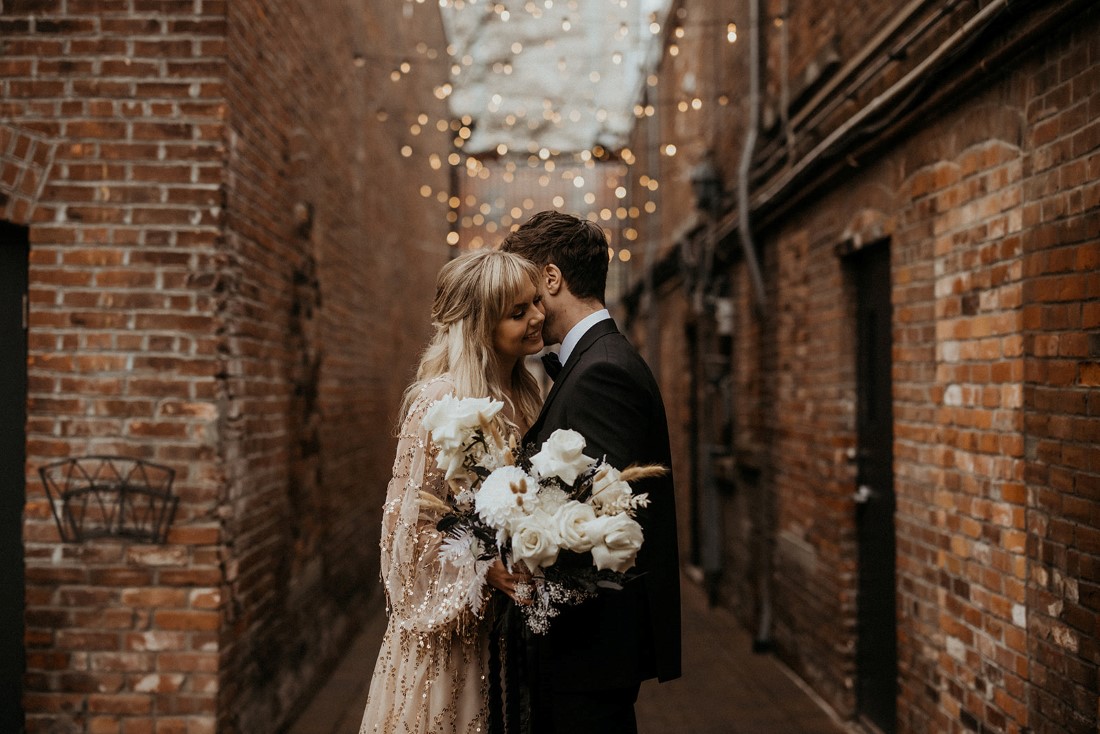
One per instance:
(474, 292)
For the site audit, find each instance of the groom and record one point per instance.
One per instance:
(587, 669)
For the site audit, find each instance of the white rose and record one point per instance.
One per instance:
(452, 420)
(505, 497)
(536, 540)
(446, 432)
(609, 491)
(562, 456)
(573, 519)
(617, 539)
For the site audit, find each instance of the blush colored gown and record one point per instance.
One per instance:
(432, 671)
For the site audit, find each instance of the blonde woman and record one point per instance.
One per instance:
(432, 673)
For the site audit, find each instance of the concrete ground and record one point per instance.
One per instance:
(726, 689)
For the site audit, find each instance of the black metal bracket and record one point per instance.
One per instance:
(110, 496)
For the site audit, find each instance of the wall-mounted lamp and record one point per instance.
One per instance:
(706, 184)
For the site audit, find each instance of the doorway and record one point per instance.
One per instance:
(13, 400)
(876, 646)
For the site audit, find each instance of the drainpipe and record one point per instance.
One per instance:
(748, 247)
(763, 639)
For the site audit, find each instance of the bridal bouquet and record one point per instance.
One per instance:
(529, 508)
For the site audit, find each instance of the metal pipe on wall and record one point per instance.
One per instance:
(764, 620)
(954, 43)
(748, 247)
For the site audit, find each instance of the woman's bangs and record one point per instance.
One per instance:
(513, 281)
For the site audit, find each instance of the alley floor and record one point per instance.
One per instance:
(726, 689)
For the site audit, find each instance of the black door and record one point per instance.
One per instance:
(13, 397)
(876, 648)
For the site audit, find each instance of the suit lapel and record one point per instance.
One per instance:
(594, 334)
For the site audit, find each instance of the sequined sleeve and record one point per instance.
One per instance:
(425, 592)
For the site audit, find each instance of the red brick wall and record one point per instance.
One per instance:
(126, 114)
(959, 447)
(1061, 381)
(322, 328)
(991, 209)
(179, 312)
(809, 422)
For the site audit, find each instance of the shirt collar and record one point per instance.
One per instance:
(569, 343)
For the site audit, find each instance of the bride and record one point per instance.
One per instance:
(432, 673)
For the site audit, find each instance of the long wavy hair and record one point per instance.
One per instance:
(474, 292)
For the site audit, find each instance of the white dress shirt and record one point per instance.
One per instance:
(569, 343)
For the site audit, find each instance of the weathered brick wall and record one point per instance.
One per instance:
(809, 420)
(125, 112)
(958, 420)
(1061, 381)
(749, 510)
(963, 201)
(991, 210)
(181, 311)
(322, 327)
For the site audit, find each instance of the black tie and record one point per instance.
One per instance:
(552, 364)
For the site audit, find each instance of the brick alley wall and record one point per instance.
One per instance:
(959, 420)
(331, 254)
(125, 111)
(1060, 260)
(989, 205)
(230, 275)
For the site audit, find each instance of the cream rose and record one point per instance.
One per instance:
(536, 541)
(616, 541)
(562, 456)
(452, 420)
(573, 518)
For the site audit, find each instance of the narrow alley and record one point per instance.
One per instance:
(725, 689)
(855, 244)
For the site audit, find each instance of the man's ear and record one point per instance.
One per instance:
(551, 275)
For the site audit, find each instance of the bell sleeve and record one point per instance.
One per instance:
(431, 586)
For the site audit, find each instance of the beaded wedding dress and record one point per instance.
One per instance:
(432, 674)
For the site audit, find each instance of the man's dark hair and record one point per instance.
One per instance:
(577, 246)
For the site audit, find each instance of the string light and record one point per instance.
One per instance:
(619, 208)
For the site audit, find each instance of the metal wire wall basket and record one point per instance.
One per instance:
(110, 496)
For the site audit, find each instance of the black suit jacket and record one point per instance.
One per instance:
(607, 394)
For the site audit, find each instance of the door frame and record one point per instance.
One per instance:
(874, 500)
(14, 256)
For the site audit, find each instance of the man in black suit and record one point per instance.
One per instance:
(587, 669)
